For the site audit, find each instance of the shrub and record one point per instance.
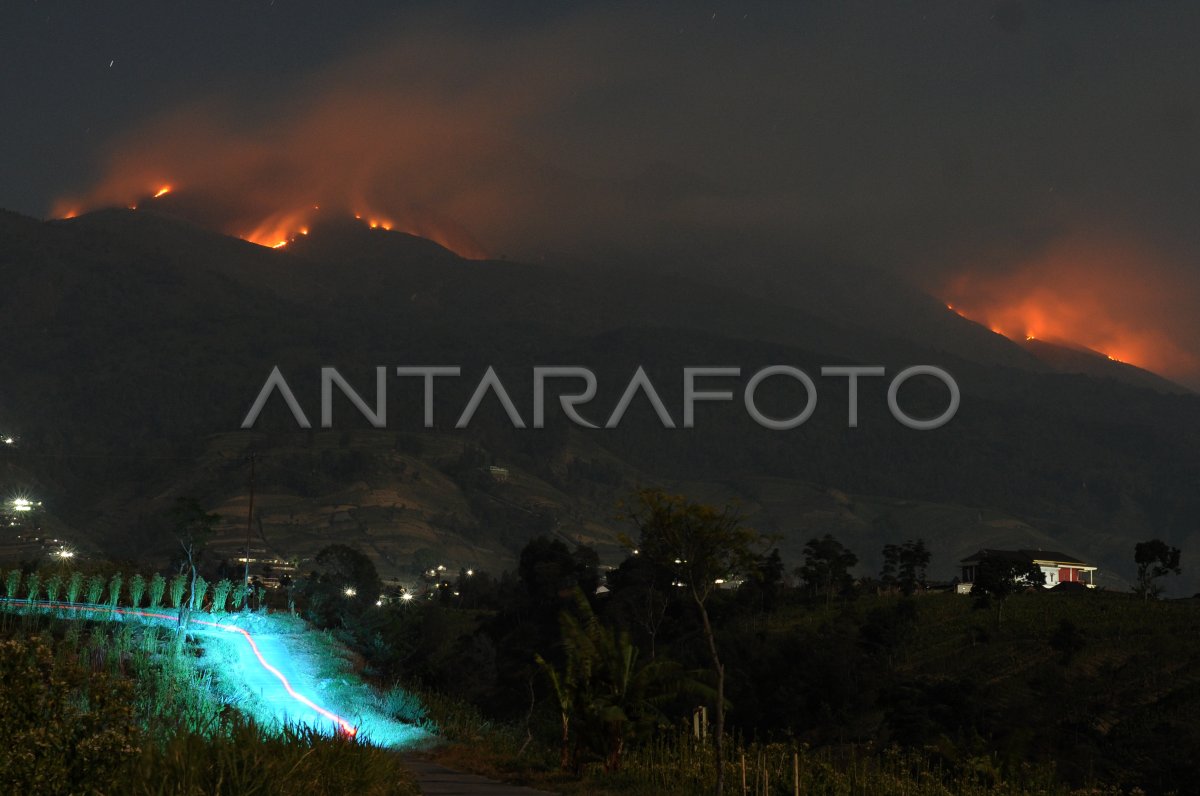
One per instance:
(65, 730)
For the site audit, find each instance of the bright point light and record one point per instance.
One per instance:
(64, 553)
(406, 597)
(470, 572)
(8, 440)
(21, 504)
(350, 591)
(378, 603)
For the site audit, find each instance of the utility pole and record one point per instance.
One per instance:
(249, 527)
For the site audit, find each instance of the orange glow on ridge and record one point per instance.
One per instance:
(1101, 296)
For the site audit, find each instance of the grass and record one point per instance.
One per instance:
(90, 706)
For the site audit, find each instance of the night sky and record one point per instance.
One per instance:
(1034, 164)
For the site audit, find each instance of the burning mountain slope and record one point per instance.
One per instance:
(128, 340)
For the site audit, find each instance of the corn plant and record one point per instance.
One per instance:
(220, 594)
(12, 584)
(74, 587)
(199, 592)
(239, 596)
(33, 585)
(178, 586)
(114, 590)
(95, 588)
(54, 585)
(137, 588)
(158, 585)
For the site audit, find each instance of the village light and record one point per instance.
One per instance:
(22, 504)
(470, 572)
(406, 597)
(8, 440)
(350, 591)
(65, 553)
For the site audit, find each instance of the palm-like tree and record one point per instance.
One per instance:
(607, 695)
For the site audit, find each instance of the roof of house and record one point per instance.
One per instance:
(1024, 556)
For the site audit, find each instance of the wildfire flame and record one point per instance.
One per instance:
(277, 229)
(1096, 295)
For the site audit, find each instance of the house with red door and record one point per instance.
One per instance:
(1057, 567)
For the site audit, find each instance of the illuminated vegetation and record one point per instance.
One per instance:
(103, 707)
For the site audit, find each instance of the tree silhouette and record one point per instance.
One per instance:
(826, 569)
(998, 578)
(1154, 559)
(703, 545)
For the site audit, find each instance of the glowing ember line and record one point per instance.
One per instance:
(346, 727)
(163, 191)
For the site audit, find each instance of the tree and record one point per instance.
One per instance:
(193, 527)
(606, 688)
(702, 544)
(550, 572)
(344, 584)
(826, 568)
(1154, 559)
(639, 595)
(904, 565)
(997, 578)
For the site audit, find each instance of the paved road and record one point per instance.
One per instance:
(438, 780)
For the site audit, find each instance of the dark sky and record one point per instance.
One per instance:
(1036, 163)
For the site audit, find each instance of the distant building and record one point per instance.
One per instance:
(1057, 567)
(498, 473)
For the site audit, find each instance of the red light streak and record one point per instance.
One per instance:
(347, 728)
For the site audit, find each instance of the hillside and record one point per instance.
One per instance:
(134, 343)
